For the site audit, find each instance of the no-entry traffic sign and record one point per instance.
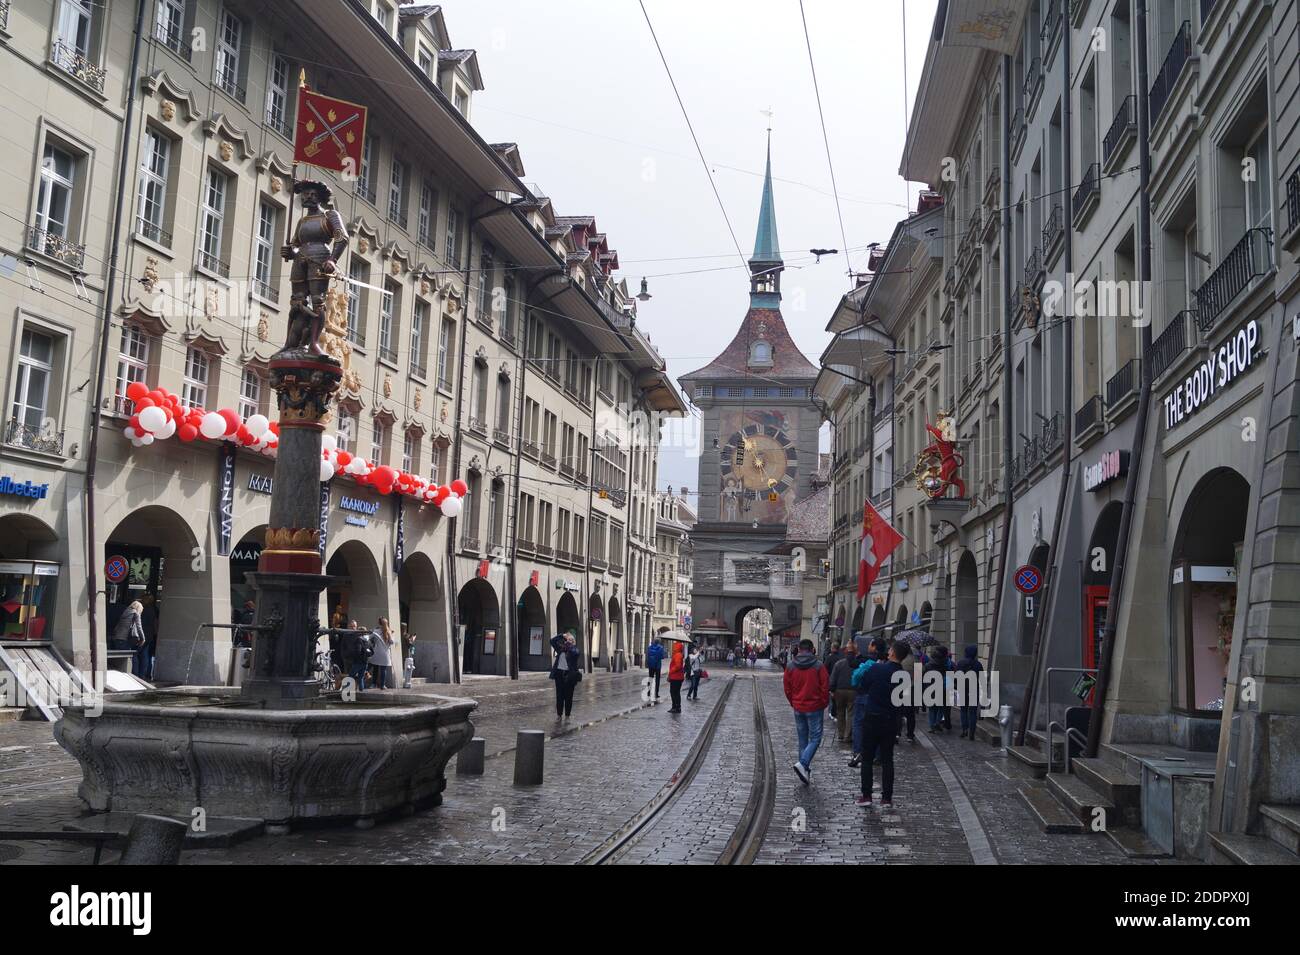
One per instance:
(1028, 579)
(115, 569)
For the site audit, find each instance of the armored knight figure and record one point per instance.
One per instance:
(317, 241)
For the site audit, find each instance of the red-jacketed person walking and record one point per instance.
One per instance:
(807, 687)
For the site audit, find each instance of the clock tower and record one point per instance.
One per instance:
(759, 449)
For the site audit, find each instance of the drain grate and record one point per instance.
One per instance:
(9, 853)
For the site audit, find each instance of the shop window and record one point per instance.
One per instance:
(28, 589)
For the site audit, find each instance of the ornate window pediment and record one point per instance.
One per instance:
(231, 136)
(168, 90)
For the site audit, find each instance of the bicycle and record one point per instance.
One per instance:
(326, 670)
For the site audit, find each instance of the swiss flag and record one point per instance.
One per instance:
(878, 541)
(329, 133)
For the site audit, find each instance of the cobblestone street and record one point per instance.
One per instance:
(955, 800)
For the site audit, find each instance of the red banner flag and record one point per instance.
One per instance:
(329, 133)
(878, 541)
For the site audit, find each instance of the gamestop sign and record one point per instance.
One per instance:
(1233, 358)
(1113, 465)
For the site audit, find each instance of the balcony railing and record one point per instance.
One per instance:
(1123, 384)
(508, 334)
(545, 550)
(277, 121)
(57, 247)
(1249, 259)
(548, 459)
(1293, 201)
(478, 426)
(1033, 80)
(227, 82)
(263, 289)
(4, 14)
(1207, 7)
(1018, 129)
(1052, 435)
(174, 40)
(501, 437)
(1180, 51)
(1122, 126)
(580, 477)
(1033, 269)
(73, 62)
(881, 497)
(531, 449)
(213, 264)
(1170, 344)
(1054, 229)
(471, 544)
(20, 435)
(566, 469)
(388, 353)
(597, 563)
(1089, 188)
(418, 370)
(1051, 23)
(1089, 416)
(524, 544)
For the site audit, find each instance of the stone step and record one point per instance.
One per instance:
(1121, 789)
(1047, 811)
(1235, 848)
(1282, 826)
(11, 714)
(1031, 758)
(988, 731)
(1082, 800)
(1134, 843)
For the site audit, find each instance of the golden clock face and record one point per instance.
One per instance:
(760, 459)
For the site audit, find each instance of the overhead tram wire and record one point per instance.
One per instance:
(695, 139)
(812, 66)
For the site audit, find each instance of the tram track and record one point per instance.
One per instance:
(743, 843)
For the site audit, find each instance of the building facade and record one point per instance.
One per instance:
(466, 299)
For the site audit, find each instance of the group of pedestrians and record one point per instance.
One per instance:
(857, 686)
(367, 656)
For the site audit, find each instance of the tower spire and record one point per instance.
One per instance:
(765, 265)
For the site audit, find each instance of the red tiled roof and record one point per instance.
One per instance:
(787, 360)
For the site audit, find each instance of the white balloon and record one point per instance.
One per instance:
(212, 426)
(257, 425)
(130, 433)
(152, 418)
(451, 506)
(146, 439)
(326, 470)
(168, 429)
(327, 442)
(136, 442)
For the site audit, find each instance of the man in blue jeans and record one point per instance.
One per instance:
(807, 687)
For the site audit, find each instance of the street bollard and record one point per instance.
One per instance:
(470, 760)
(154, 840)
(1004, 721)
(530, 749)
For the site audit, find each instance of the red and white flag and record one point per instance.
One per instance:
(878, 541)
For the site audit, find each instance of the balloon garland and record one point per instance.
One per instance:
(159, 415)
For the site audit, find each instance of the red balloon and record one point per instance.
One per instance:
(460, 487)
(344, 459)
(187, 432)
(136, 390)
(440, 494)
(232, 420)
(134, 423)
(145, 402)
(242, 434)
(274, 428)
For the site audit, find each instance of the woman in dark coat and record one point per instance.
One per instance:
(566, 671)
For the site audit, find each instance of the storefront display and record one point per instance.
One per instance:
(28, 589)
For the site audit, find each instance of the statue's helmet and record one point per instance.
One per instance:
(323, 192)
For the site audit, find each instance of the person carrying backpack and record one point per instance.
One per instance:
(937, 664)
(880, 725)
(357, 650)
(807, 687)
(970, 668)
(875, 652)
(654, 658)
(842, 691)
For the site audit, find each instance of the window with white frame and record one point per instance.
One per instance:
(388, 305)
(212, 224)
(453, 228)
(509, 292)
(347, 428)
(419, 322)
(230, 35)
(30, 405)
(397, 194)
(152, 208)
(410, 451)
(268, 217)
(358, 272)
(428, 215)
(503, 406)
(384, 14)
(462, 102)
(194, 386)
(366, 174)
(169, 25)
(132, 363)
(250, 394)
(54, 198)
(483, 300)
(1259, 206)
(378, 441)
(444, 354)
(424, 60)
(439, 457)
(75, 30)
(277, 95)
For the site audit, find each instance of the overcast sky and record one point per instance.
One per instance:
(579, 86)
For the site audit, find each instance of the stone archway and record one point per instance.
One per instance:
(858, 617)
(167, 561)
(927, 615)
(423, 609)
(480, 620)
(567, 617)
(360, 592)
(27, 536)
(533, 655)
(878, 619)
(597, 627)
(614, 634)
(1029, 608)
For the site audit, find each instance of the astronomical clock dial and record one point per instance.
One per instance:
(760, 459)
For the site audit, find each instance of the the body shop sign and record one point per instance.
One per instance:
(1232, 359)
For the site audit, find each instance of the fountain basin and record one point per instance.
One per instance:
(173, 751)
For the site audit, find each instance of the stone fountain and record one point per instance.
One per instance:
(281, 749)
